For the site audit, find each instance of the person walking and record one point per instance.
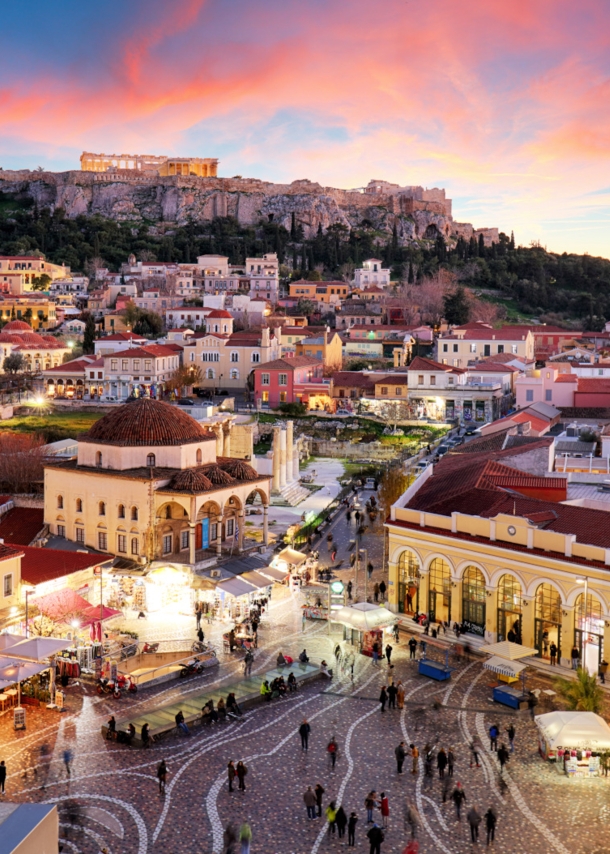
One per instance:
(396, 633)
(231, 773)
(331, 818)
(376, 592)
(67, 756)
(370, 802)
(375, 836)
(491, 819)
(458, 797)
(392, 692)
(241, 771)
(200, 634)
(332, 750)
(412, 648)
(369, 569)
(310, 802)
(248, 663)
(450, 762)
(494, 732)
(575, 655)
(511, 732)
(304, 731)
(351, 830)
(400, 754)
(553, 653)
(382, 590)
(441, 763)
(229, 839)
(446, 788)
(415, 758)
(388, 654)
(475, 754)
(245, 837)
(349, 589)
(376, 653)
(503, 757)
(474, 820)
(318, 792)
(162, 776)
(2, 776)
(383, 698)
(384, 806)
(341, 821)
(412, 818)
(400, 696)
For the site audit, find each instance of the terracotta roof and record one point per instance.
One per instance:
(566, 378)
(352, 379)
(495, 367)
(501, 358)
(143, 423)
(288, 364)
(122, 336)
(420, 363)
(7, 551)
(17, 326)
(594, 385)
(21, 525)
(219, 312)
(402, 379)
(151, 350)
(73, 367)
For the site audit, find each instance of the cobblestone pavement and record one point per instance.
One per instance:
(111, 797)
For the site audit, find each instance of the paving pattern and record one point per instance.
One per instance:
(111, 799)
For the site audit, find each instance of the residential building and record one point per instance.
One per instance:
(259, 277)
(18, 272)
(140, 371)
(39, 351)
(158, 300)
(586, 386)
(391, 387)
(73, 285)
(327, 348)
(186, 317)
(329, 293)
(291, 335)
(74, 327)
(348, 387)
(357, 315)
(462, 346)
(118, 341)
(363, 348)
(113, 323)
(535, 420)
(38, 310)
(71, 378)
(227, 358)
(299, 379)
(372, 272)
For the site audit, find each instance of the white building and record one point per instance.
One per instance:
(372, 273)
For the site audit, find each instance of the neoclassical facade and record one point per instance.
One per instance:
(467, 549)
(148, 484)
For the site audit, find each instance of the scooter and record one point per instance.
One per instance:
(191, 668)
(108, 686)
(126, 683)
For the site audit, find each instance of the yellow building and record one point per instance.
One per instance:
(474, 541)
(18, 272)
(10, 571)
(326, 292)
(327, 348)
(38, 311)
(150, 483)
(40, 352)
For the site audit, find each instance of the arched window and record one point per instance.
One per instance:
(234, 374)
(60, 502)
(408, 582)
(134, 514)
(210, 373)
(199, 456)
(102, 508)
(168, 512)
(473, 601)
(547, 625)
(509, 609)
(135, 546)
(151, 460)
(79, 505)
(439, 595)
(98, 459)
(121, 513)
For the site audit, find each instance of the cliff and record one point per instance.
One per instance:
(125, 195)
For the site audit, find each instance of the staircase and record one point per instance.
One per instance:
(291, 495)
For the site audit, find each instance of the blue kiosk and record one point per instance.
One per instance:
(435, 669)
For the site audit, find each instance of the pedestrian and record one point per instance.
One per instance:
(181, 723)
(376, 592)
(375, 653)
(67, 755)
(412, 818)
(332, 750)
(532, 702)
(382, 590)
(231, 774)
(144, 737)
(349, 589)
(304, 731)
(248, 663)
(415, 758)
(245, 837)
(446, 788)
(428, 760)
(441, 763)
(241, 771)
(575, 654)
(162, 776)
(400, 696)
(200, 635)
(400, 754)
(603, 669)
(396, 633)
(351, 829)
(331, 818)
(383, 698)
(474, 820)
(392, 692)
(475, 754)
(458, 797)
(553, 652)
(384, 806)
(370, 804)
(341, 821)
(198, 614)
(491, 820)
(229, 839)
(318, 792)
(388, 654)
(494, 732)
(310, 802)
(511, 732)
(503, 756)
(412, 647)
(376, 837)
(2, 776)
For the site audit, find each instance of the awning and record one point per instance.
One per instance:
(574, 730)
(507, 649)
(16, 671)
(92, 614)
(504, 666)
(236, 587)
(36, 649)
(255, 578)
(8, 639)
(273, 573)
(364, 616)
(291, 556)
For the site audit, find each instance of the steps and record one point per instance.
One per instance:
(291, 495)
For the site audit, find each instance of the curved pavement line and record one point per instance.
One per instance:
(439, 815)
(488, 769)
(99, 840)
(137, 818)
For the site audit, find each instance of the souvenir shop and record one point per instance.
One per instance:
(575, 742)
(365, 624)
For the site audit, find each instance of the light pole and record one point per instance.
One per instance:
(585, 581)
(27, 596)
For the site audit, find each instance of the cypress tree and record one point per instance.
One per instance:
(481, 246)
(511, 245)
(411, 276)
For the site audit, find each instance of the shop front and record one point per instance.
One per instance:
(365, 625)
(574, 741)
(589, 632)
(408, 583)
(169, 589)
(547, 624)
(509, 609)
(473, 601)
(439, 595)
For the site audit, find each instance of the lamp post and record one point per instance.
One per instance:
(27, 596)
(584, 581)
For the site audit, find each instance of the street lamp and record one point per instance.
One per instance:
(584, 581)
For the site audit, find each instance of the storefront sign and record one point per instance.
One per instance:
(473, 628)
(205, 533)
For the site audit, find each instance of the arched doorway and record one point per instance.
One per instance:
(547, 624)
(439, 595)
(408, 583)
(473, 601)
(509, 609)
(589, 626)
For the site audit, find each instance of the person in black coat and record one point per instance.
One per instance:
(383, 698)
(375, 836)
(392, 692)
(341, 822)
(304, 731)
(351, 829)
(318, 792)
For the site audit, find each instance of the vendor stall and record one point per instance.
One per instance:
(504, 661)
(364, 625)
(291, 562)
(574, 741)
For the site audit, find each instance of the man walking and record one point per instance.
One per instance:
(392, 692)
(553, 652)
(575, 657)
(245, 837)
(318, 792)
(412, 648)
(162, 776)
(67, 760)
(248, 663)
(383, 698)
(490, 824)
(503, 756)
(376, 592)
(382, 590)
(310, 802)
(376, 837)
(511, 737)
(388, 654)
(304, 731)
(414, 757)
(450, 762)
(332, 751)
(475, 754)
(2, 776)
(349, 589)
(474, 820)
(241, 775)
(458, 797)
(494, 731)
(231, 774)
(441, 763)
(399, 752)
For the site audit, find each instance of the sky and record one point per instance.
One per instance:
(506, 104)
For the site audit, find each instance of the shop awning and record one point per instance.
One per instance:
(273, 573)
(200, 583)
(364, 616)
(574, 730)
(256, 579)
(92, 615)
(504, 666)
(7, 640)
(17, 671)
(236, 587)
(35, 649)
(291, 556)
(507, 649)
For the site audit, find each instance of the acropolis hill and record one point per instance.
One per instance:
(138, 194)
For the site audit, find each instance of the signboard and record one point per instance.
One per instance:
(337, 588)
(473, 628)
(205, 533)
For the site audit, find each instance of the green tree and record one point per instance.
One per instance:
(306, 307)
(314, 276)
(41, 283)
(131, 314)
(456, 307)
(89, 335)
(13, 364)
(582, 695)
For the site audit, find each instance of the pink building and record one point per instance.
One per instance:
(546, 385)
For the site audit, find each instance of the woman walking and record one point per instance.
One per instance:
(331, 818)
(400, 696)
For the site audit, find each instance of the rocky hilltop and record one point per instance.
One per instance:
(125, 195)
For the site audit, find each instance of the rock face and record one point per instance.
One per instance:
(127, 196)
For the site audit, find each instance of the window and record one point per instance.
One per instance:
(230, 527)
(122, 543)
(432, 380)
(384, 389)
(235, 357)
(148, 364)
(136, 364)
(548, 394)
(256, 357)
(455, 348)
(102, 508)
(398, 392)
(61, 531)
(265, 397)
(102, 541)
(79, 505)
(234, 374)
(210, 375)
(420, 379)
(98, 459)
(8, 584)
(529, 395)
(124, 364)
(114, 364)
(135, 546)
(265, 378)
(283, 397)
(151, 460)
(451, 380)
(445, 348)
(513, 348)
(134, 514)
(60, 502)
(473, 348)
(184, 540)
(167, 544)
(283, 379)
(199, 456)
(80, 535)
(500, 348)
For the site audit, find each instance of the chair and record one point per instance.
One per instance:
(4, 700)
(11, 693)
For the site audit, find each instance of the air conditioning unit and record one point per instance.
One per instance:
(214, 573)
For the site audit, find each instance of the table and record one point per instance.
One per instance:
(3, 699)
(11, 693)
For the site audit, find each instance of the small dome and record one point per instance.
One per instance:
(145, 423)
(17, 326)
(217, 476)
(239, 469)
(190, 480)
(220, 312)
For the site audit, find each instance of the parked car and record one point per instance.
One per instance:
(369, 483)
(223, 393)
(470, 429)
(185, 401)
(203, 392)
(343, 412)
(441, 451)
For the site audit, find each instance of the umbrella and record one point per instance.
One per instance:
(36, 649)
(507, 649)
(8, 639)
(504, 666)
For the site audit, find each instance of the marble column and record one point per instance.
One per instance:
(219, 535)
(217, 428)
(192, 555)
(282, 459)
(295, 461)
(266, 525)
(289, 450)
(276, 459)
(241, 521)
(227, 441)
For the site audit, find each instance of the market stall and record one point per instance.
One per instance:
(364, 625)
(574, 741)
(505, 663)
(27, 659)
(291, 562)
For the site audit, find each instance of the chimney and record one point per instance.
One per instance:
(265, 341)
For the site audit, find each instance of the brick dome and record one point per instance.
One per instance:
(17, 326)
(146, 423)
(217, 476)
(238, 469)
(190, 480)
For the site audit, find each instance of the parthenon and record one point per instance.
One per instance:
(202, 167)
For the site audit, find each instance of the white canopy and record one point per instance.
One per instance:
(273, 573)
(574, 730)
(12, 672)
(36, 649)
(236, 586)
(506, 649)
(291, 556)
(504, 666)
(8, 639)
(364, 616)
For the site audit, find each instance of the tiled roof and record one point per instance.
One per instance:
(393, 378)
(122, 336)
(151, 350)
(352, 379)
(7, 551)
(566, 378)
(288, 364)
(420, 363)
(495, 442)
(594, 385)
(21, 525)
(494, 366)
(219, 312)
(143, 423)
(38, 565)
(73, 367)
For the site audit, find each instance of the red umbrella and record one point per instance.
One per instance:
(99, 631)
(92, 632)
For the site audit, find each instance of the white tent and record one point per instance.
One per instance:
(574, 730)
(504, 666)
(364, 616)
(289, 556)
(8, 639)
(506, 649)
(12, 672)
(36, 649)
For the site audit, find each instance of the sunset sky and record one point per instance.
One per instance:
(505, 104)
